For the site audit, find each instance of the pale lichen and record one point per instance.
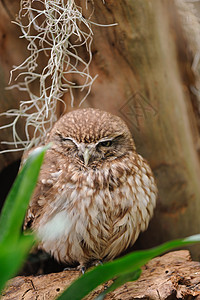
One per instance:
(58, 30)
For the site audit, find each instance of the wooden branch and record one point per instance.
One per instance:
(172, 276)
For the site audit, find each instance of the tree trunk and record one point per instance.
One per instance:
(144, 67)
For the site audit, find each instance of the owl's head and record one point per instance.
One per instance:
(91, 136)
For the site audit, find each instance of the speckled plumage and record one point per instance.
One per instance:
(95, 193)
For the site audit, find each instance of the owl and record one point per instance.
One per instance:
(95, 193)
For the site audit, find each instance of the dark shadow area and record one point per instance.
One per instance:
(7, 177)
(40, 263)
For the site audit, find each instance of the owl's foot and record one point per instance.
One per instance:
(96, 263)
(81, 268)
(70, 269)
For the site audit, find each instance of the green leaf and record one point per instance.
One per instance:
(14, 246)
(121, 266)
(15, 207)
(12, 257)
(120, 281)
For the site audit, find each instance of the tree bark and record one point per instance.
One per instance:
(144, 67)
(10, 54)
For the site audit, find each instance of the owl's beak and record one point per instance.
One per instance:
(86, 156)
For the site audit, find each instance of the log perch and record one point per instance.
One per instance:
(171, 276)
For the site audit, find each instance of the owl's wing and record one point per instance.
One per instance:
(29, 217)
(44, 192)
(39, 199)
(31, 213)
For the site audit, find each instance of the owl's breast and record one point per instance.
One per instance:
(100, 212)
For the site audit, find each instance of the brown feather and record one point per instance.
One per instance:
(91, 212)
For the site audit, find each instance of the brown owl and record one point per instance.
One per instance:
(95, 193)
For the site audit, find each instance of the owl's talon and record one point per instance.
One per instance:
(97, 262)
(70, 269)
(100, 262)
(81, 268)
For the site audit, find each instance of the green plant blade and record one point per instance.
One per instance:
(127, 264)
(120, 281)
(14, 246)
(14, 209)
(12, 257)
